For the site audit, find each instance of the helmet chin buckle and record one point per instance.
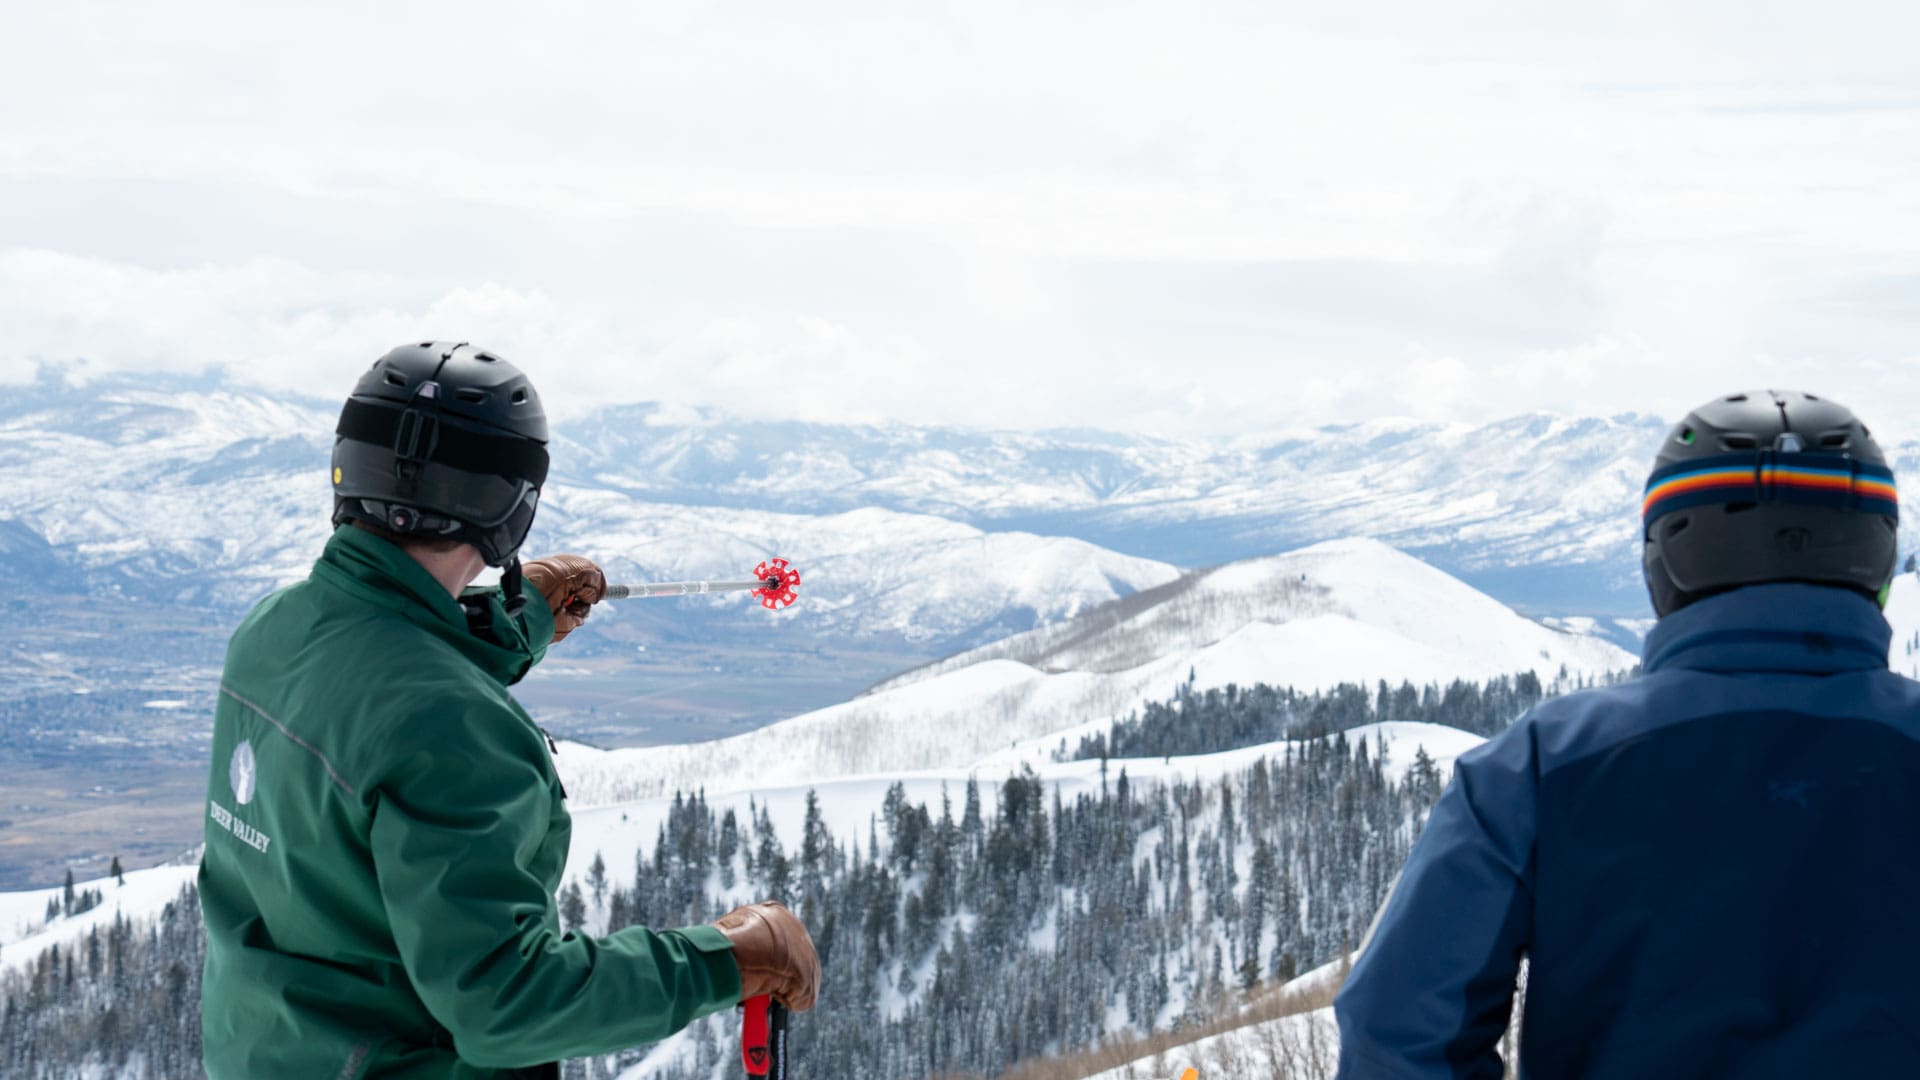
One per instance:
(511, 595)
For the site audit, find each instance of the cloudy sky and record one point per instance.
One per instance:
(1188, 219)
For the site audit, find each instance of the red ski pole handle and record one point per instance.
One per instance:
(763, 1038)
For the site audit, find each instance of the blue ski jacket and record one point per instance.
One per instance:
(1712, 869)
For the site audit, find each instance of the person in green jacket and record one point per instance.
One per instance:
(385, 829)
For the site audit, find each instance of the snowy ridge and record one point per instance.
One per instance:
(1324, 586)
(1371, 613)
(230, 486)
(25, 932)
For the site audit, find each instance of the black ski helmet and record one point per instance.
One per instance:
(1768, 486)
(443, 441)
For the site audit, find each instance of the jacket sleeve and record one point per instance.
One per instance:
(456, 827)
(1432, 992)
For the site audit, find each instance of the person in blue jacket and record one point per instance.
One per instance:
(1711, 870)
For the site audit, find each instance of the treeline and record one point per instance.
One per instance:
(959, 940)
(1229, 718)
(124, 1001)
(1001, 923)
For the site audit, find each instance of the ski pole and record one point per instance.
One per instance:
(774, 582)
(763, 1038)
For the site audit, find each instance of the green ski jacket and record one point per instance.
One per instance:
(385, 833)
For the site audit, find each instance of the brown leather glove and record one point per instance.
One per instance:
(774, 952)
(571, 584)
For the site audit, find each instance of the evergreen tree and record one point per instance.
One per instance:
(573, 907)
(597, 879)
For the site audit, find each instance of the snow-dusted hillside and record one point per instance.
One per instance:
(620, 830)
(621, 836)
(25, 932)
(1352, 611)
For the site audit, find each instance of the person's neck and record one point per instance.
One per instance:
(454, 569)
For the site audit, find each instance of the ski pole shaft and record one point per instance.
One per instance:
(774, 583)
(686, 588)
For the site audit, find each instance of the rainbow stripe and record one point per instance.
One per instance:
(1807, 479)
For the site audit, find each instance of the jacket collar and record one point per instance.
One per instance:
(1779, 628)
(375, 571)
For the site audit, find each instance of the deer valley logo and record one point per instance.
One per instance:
(242, 773)
(243, 776)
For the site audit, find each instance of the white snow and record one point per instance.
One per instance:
(25, 933)
(1903, 614)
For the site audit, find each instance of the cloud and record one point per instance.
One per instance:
(1222, 220)
(1435, 387)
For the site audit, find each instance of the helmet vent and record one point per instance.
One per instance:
(1736, 397)
(394, 378)
(469, 394)
(1739, 442)
(520, 397)
(1835, 441)
(1741, 507)
(485, 358)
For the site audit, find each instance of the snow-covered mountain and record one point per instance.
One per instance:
(1536, 504)
(1338, 601)
(210, 496)
(167, 479)
(1346, 611)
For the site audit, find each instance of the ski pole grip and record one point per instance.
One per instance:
(763, 1038)
(618, 592)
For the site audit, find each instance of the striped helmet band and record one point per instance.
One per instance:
(1772, 476)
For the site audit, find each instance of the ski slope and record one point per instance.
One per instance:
(1347, 611)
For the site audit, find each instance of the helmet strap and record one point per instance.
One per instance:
(510, 591)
